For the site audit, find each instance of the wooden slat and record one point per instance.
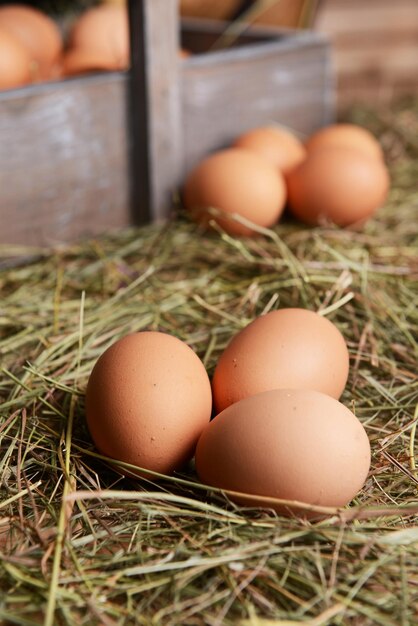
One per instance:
(358, 5)
(83, 156)
(367, 17)
(374, 90)
(288, 81)
(155, 105)
(396, 60)
(375, 48)
(388, 38)
(63, 160)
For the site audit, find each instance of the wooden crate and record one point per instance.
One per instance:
(82, 156)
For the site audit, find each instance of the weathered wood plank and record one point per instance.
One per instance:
(375, 89)
(372, 89)
(63, 160)
(365, 17)
(86, 155)
(375, 48)
(289, 81)
(377, 58)
(155, 99)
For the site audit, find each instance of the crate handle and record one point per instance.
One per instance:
(155, 107)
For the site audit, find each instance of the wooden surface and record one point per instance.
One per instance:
(155, 105)
(88, 155)
(375, 48)
(287, 80)
(63, 160)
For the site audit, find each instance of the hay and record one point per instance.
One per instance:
(81, 545)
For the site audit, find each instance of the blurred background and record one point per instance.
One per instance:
(375, 43)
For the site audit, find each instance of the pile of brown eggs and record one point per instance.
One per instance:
(32, 47)
(278, 437)
(338, 176)
(279, 430)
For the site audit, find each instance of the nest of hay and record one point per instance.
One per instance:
(80, 544)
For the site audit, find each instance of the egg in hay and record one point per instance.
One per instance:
(288, 444)
(337, 185)
(287, 348)
(236, 182)
(345, 136)
(282, 148)
(148, 399)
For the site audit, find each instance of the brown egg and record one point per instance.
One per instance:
(184, 54)
(289, 444)
(338, 185)
(276, 144)
(289, 348)
(80, 61)
(104, 30)
(14, 62)
(148, 399)
(239, 182)
(37, 32)
(56, 72)
(346, 136)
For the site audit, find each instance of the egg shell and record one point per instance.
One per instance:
(276, 144)
(79, 61)
(288, 348)
(14, 62)
(289, 444)
(337, 185)
(148, 399)
(184, 53)
(235, 181)
(37, 32)
(346, 136)
(103, 30)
